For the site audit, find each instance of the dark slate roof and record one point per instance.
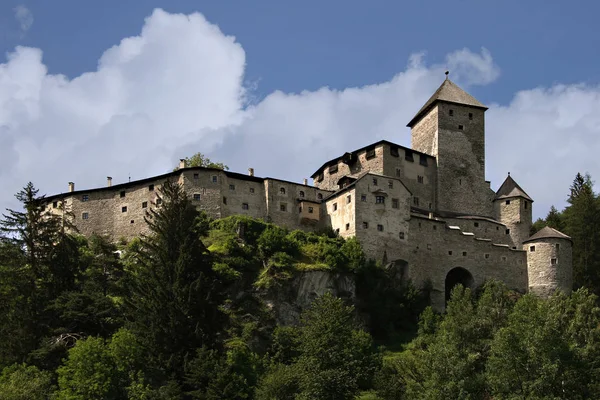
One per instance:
(547, 232)
(448, 92)
(355, 152)
(510, 188)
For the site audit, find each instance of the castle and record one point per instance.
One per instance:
(427, 209)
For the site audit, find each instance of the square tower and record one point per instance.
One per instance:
(451, 127)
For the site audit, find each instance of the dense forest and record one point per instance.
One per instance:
(182, 313)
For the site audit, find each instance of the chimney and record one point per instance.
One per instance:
(305, 182)
(71, 187)
(182, 163)
(109, 181)
(251, 171)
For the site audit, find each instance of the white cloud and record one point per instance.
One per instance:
(176, 89)
(24, 17)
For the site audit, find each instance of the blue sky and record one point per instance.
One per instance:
(311, 79)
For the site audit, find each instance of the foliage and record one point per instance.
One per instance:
(22, 382)
(200, 160)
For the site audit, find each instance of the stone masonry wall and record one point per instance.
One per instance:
(424, 133)
(546, 275)
(515, 213)
(340, 211)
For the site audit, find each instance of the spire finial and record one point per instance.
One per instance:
(447, 73)
(508, 173)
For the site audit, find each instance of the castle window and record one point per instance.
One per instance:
(214, 179)
(471, 116)
(197, 196)
(310, 210)
(348, 199)
(281, 190)
(320, 196)
(460, 127)
(486, 255)
(347, 226)
(476, 224)
(144, 204)
(333, 169)
(374, 181)
(124, 209)
(85, 215)
(423, 160)
(460, 181)
(557, 246)
(428, 246)
(365, 225)
(451, 113)
(395, 203)
(245, 206)
(301, 193)
(54, 204)
(224, 200)
(464, 253)
(430, 206)
(390, 184)
(408, 156)
(231, 187)
(507, 202)
(379, 200)
(435, 227)
(416, 201)
(401, 235)
(449, 252)
(370, 153)
(363, 197)
(150, 188)
(532, 248)
(158, 202)
(419, 179)
(508, 231)
(122, 194)
(497, 228)
(320, 177)
(283, 207)
(380, 228)
(394, 151)
(300, 210)
(131, 222)
(85, 197)
(337, 231)
(553, 261)
(525, 204)
(251, 190)
(334, 206)
(398, 172)
(196, 176)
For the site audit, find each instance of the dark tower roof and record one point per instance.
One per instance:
(450, 93)
(547, 233)
(510, 188)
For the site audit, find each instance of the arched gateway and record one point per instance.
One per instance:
(457, 276)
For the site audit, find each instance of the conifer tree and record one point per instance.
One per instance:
(175, 293)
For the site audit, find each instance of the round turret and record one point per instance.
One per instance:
(549, 262)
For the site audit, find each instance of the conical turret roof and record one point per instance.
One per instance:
(449, 92)
(547, 233)
(510, 188)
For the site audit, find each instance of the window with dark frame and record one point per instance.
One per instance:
(231, 187)
(122, 194)
(390, 184)
(54, 204)
(301, 193)
(85, 197)
(380, 228)
(460, 127)
(464, 253)
(334, 206)
(251, 190)
(150, 188)
(196, 176)
(532, 248)
(471, 116)
(451, 113)
(158, 202)
(365, 225)
(124, 209)
(379, 199)
(507, 202)
(283, 207)
(401, 234)
(420, 178)
(144, 204)
(476, 224)
(347, 226)
(395, 203)
(486, 255)
(370, 153)
(85, 215)
(197, 196)
(374, 181)
(281, 190)
(224, 200)
(348, 199)
(408, 155)
(416, 201)
(553, 261)
(320, 196)
(333, 169)
(363, 197)
(394, 151)
(245, 206)
(310, 210)
(508, 231)
(398, 172)
(423, 159)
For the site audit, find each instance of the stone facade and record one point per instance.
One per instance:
(427, 208)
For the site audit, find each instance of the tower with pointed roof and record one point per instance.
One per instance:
(512, 207)
(451, 127)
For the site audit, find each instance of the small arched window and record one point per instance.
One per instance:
(301, 193)
(319, 196)
(282, 190)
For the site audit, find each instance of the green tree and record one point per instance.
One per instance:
(200, 160)
(175, 292)
(22, 382)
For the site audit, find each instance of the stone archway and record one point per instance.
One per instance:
(455, 277)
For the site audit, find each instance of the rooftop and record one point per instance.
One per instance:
(547, 233)
(449, 92)
(510, 188)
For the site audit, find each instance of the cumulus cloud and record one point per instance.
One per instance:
(24, 17)
(177, 88)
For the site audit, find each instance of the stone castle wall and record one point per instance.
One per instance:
(550, 266)
(515, 213)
